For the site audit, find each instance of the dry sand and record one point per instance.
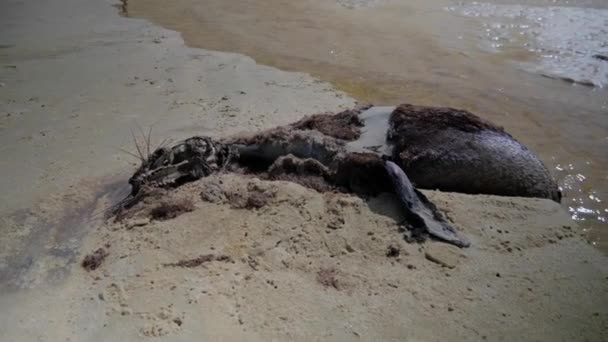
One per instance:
(314, 266)
(303, 266)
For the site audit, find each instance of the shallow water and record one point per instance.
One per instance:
(503, 60)
(570, 43)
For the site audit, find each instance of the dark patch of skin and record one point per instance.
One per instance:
(291, 164)
(362, 173)
(268, 146)
(455, 151)
(345, 125)
(428, 120)
(306, 172)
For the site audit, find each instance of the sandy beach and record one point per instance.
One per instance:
(526, 65)
(77, 81)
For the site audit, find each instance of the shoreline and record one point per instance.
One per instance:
(123, 75)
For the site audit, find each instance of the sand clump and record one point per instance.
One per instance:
(92, 261)
(253, 196)
(328, 278)
(198, 261)
(169, 210)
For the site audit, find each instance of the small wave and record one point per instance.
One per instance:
(569, 43)
(583, 202)
(354, 4)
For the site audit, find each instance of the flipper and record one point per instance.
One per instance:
(420, 212)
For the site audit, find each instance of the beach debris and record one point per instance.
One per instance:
(252, 262)
(393, 251)
(168, 210)
(601, 57)
(252, 197)
(258, 200)
(122, 7)
(328, 278)
(212, 192)
(190, 263)
(92, 261)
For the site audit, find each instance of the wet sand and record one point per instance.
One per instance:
(389, 52)
(71, 98)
